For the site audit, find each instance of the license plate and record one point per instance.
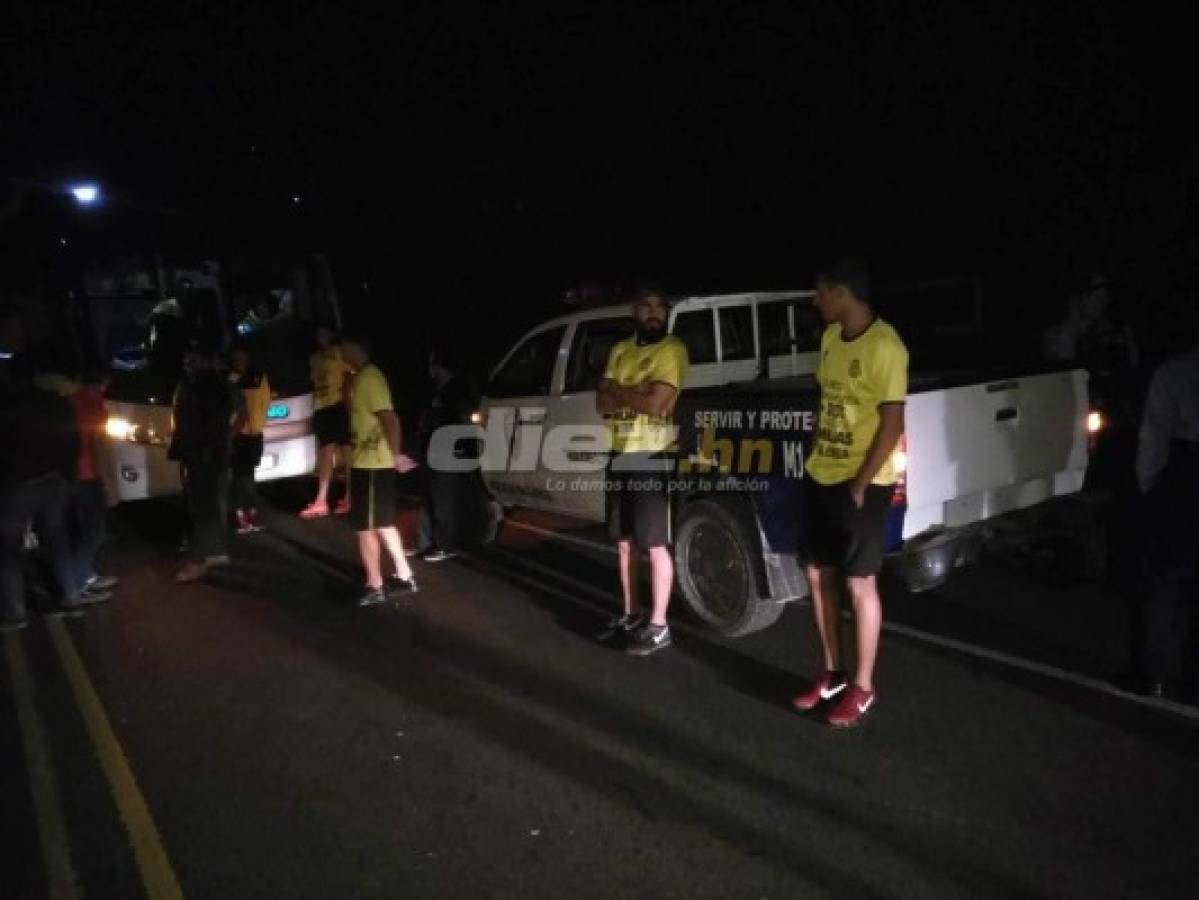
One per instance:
(269, 461)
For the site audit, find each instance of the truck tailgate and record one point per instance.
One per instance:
(983, 449)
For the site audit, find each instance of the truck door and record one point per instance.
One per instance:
(517, 404)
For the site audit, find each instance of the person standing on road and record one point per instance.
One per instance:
(249, 424)
(374, 460)
(204, 409)
(330, 421)
(91, 488)
(38, 457)
(449, 495)
(94, 491)
(1168, 476)
(637, 395)
(863, 378)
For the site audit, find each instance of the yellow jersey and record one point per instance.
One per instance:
(631, 364)
(257, 398)
(856, 377)
(329, 372)
(369, 394)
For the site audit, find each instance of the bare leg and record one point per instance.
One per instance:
(662, 575)
(368, 552)
(823, 582)
(390, 538)
(324, 474)
(625, 550)
(868, 622)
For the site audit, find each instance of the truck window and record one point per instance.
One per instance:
(530, 369)
(809, 327)
(694, 329)
(589, 354)
(776, 319)
(774, 328)
(736, 332)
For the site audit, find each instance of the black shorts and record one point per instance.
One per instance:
(638, 499)
(372, 499)
(839, 534)
(332, 425)
(246, 455)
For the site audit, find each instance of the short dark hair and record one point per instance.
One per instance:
(649, 290)
(449, 354)
(849, 273)
(359, 337)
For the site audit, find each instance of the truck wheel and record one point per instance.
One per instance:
(715, 568)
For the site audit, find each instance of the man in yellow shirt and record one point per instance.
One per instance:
(330, 419)
(863, 377)
(637, 396)
(375, 458)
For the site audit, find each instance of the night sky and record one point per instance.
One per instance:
(470, 156)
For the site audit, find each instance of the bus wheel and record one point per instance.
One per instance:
(715, 567)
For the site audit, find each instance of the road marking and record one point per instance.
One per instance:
(158, 877)
(564, 538)
(1015, 662)
(47, 806)
(1046, 671)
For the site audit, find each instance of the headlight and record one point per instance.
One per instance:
(124, 430)
(1094, 422)
(118, 428)
(477, 417)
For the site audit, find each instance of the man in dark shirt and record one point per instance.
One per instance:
(37, 463)
(204, 407)
(450, 496)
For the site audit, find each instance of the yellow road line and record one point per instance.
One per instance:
(157, 875)
(52, 830)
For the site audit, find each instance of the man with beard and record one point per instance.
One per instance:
(637, 396)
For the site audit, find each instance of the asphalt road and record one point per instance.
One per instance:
(266, 739)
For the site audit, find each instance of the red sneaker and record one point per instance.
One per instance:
(314, 511)
(827, 686)
(851, 708)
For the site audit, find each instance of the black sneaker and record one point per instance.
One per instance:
(401, 587)
(436, 555)
(621, 626)
(67, 611)
(11, 626)
(372, 597)
(649, 639)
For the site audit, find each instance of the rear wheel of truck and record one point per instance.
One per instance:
(715, 566)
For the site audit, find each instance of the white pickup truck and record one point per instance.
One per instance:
(976, 445)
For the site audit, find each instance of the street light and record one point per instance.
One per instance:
(86, 194)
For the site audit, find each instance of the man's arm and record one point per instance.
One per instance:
(890, 428)
(653, 399)
(389, 423)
